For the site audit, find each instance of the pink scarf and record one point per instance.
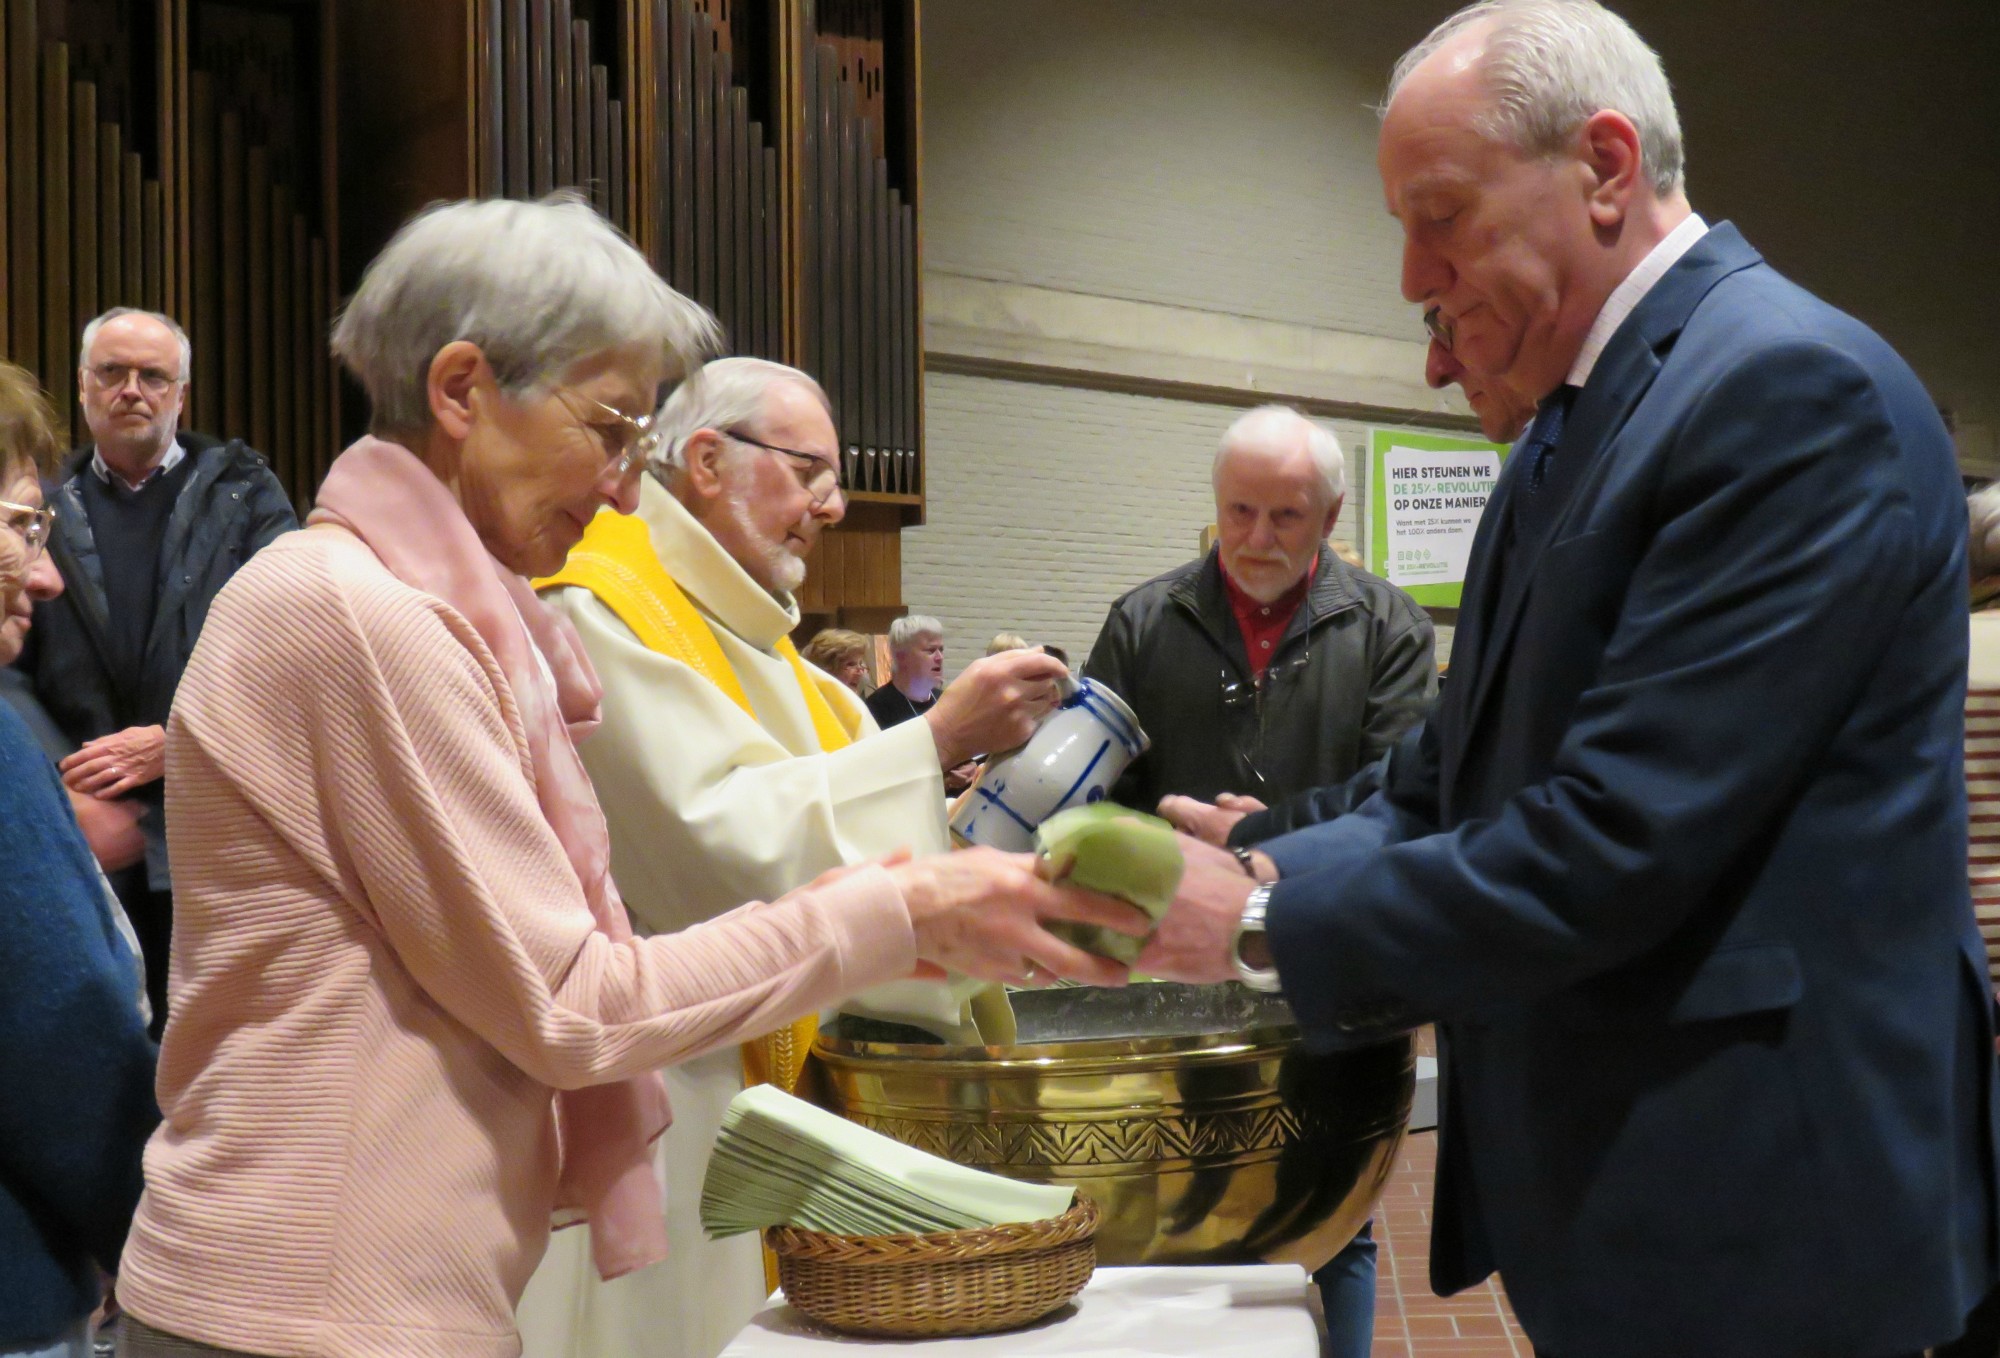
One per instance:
(385, 496)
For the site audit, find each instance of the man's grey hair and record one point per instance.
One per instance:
(537, 286)
(90, 336)
(1277, 426)
(723, 395)
(906, 632)
(1982, 548)
(1552, 65)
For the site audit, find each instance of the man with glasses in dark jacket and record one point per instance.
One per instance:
(150, 524)
(1267, 668)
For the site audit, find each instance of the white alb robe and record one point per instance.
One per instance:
(709, 809)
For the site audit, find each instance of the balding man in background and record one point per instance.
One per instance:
(1245, 821)
(1267, 668)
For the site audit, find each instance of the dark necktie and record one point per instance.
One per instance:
(1539, 448)
(1545, 434)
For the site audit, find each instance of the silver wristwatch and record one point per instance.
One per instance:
(1257, 978)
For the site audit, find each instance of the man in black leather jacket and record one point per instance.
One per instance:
(150, 525)
(1267, 668)
(1243, 822)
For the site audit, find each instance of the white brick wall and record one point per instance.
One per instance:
(1048, 502)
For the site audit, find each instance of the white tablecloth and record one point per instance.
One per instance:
(1247, 1311)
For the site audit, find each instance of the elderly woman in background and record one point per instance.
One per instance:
(75, 1063)
(410, 1021)
(842, 654)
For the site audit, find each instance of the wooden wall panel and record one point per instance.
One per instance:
(279, 444)
(234, 222)
(257, 290)
(56, 342)
(205, 253)
(111, 209)
(562, 97)
(24, 223)
(541, 97)
(132, 235)
(6, 199)
(83, 206)
(153, 237)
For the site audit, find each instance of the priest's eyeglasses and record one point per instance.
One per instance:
(34, 525)
(820, 476)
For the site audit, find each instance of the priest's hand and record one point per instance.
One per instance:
(1209, 824)
(995, 704)
(1196, 938)
(981, 912)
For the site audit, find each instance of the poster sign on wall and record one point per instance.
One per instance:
(1425, 495)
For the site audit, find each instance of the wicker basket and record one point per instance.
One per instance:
(943, 1284)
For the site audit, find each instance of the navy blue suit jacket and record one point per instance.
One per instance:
(1679, 859)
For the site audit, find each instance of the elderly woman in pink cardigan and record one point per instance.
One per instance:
(408, 1020)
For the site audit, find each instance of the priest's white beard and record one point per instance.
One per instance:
(783, 572)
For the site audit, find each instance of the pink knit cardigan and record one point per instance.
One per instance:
(384, 967)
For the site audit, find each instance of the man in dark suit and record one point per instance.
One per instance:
(1677, 857)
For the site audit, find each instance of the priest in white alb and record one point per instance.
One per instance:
(731, 770)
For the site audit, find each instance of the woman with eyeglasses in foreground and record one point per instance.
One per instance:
(409, 1020)
(76, 1066)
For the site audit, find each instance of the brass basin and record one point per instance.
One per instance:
(1205, 1133)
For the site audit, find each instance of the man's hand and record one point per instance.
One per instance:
(1209, 824)
(113, 765)
(981, 912)
(995, 704)
(957, 780)
(111, 829)
(1194, 939)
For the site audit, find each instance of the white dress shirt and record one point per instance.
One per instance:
(1625, 298)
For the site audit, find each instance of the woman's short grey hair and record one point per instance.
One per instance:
(1275, 426)
(98, 323)
(1982, 548)
(537, 286)
(723, 395)
(906, 632)
(1551, 66)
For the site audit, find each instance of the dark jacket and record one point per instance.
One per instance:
(1350, 675)
(1680, 858)
(76, 1068)
(230, 506)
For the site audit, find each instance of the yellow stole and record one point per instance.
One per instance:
(616, 562)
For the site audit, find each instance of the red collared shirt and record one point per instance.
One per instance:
(1263, 625)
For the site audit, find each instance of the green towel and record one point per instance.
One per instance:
(780, 1161)
(1116, 850)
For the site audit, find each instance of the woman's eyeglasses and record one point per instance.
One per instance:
(820, 477)
(34, 525)
(629, 442)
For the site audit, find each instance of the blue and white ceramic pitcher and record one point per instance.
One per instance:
(1073, 758)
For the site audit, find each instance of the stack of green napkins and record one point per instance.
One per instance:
(1118, 851)
(779, 1161)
